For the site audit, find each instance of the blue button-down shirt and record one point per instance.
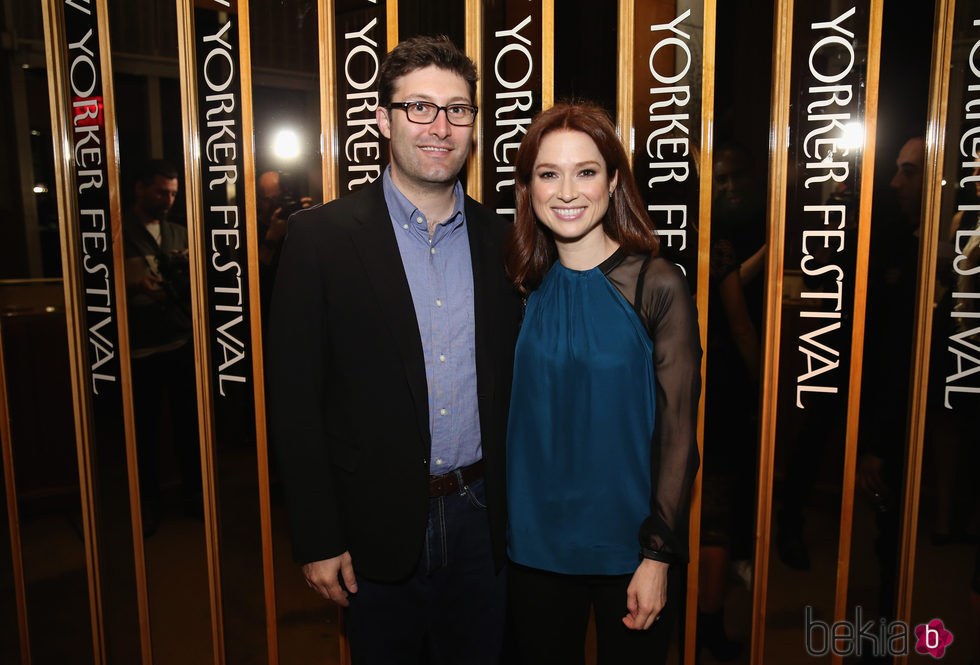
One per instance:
(440, 276)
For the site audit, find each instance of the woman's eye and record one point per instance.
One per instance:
(587, 172)
(545, 175)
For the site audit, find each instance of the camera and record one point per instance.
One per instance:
(175, 275)
(288, 201)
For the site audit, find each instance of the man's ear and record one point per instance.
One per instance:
(384, 121)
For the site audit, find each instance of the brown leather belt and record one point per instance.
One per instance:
(449, 482)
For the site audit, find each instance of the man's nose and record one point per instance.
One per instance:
(441, 126)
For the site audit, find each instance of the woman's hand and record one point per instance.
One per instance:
(646, 594)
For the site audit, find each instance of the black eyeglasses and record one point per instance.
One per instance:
(424, 113)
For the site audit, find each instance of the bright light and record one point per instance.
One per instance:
(40, 188)
(286, 144)
(944, 182)
(853, 136)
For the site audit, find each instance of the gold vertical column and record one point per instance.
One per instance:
(202, 355)
(706, 160)
(776, 200)
(54, 37)
(13, 520)
(942, 45)
(859, 313)
(624, 74)
(624, 118)
(258, 376)
(125, 375)
(474, 49)
(328, 100)
(74, 303)
(391, 22)
(547, 54)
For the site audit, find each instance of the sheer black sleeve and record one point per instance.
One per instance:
(664, 304)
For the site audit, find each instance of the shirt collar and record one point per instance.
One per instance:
(405, 214)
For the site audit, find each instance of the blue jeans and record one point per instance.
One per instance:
(451, 611)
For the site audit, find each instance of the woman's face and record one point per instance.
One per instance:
(569, 187)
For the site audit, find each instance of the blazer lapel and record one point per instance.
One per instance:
(482, 253)
(377, 248)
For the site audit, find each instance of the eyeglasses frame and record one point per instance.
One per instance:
(404, 106)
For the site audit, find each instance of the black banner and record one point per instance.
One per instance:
(223, 193)
(959, 274)
(223, 251)
(360, 40)
(667, 125)
(511, 94)
(823, 193)
(88, 165)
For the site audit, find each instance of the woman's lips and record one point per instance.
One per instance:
(568, 213)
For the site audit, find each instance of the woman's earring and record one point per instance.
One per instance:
(610, 194)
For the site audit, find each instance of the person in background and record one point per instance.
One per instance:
(275, 202)
(158, 301)
(601, 449)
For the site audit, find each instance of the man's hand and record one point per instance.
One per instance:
(277, 227)
(324, 578)
(151, 285)
(646, 594)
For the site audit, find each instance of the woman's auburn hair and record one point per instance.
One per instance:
(530, 247)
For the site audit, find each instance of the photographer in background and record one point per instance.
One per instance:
(276, 200)
(159, 303)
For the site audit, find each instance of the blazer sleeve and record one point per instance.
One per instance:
(297, 368)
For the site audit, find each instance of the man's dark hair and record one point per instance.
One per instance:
(156, 167)
(419, 52)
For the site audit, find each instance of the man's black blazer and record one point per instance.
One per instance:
(348, 394)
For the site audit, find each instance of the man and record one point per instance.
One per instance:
(272, 223)
(391, 347)
(907, 181)
(159, 310)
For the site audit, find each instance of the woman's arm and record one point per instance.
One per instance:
(671, 319)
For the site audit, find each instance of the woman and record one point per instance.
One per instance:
(601, 449)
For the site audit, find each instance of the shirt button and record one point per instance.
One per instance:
(419, 219)
(442, 412)
(432, 251)
(438, 302)
(438, 461)
(404, 226)
(442, 358)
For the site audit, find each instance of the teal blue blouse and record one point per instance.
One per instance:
(601, 448)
